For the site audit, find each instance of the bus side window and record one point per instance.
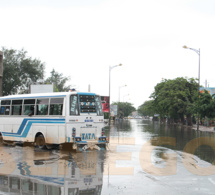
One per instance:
(42, 106)
(5, 107)
(74, 105)
(16, 107)
(5, 110)
(28, 108)
(56, 106)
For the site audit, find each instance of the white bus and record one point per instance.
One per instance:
(48, 119)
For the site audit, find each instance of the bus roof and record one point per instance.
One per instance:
(44, 95)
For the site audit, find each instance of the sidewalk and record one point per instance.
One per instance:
(203, 128)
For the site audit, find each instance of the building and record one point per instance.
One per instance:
(211, 90)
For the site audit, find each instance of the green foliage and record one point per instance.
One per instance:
(59, 81)
(124, 109)
(205, 105)
(20, 71)
(147, 108)
(106, 115)
(175, 98)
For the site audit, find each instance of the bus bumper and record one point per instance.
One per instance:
(83, 146)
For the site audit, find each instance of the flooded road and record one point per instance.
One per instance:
(143, 157)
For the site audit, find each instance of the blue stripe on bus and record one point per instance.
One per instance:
(27, 123)
(82, 93)
(25, 170)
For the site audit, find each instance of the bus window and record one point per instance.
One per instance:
(55, 190)
(4, 181)
(74, 105)
(73, 191)
(14, 184)
(5, 107)
(42, 106)
(56, 106)
(99, 106)
(28, 107)
(27, 186)
(40, 189)
(16, 107)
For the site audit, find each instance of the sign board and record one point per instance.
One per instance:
(210, 90)
(41, 88)
(113, 110)
(105, 103)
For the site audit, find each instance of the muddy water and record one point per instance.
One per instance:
(142, 158)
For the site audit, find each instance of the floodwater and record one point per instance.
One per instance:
(143, 157)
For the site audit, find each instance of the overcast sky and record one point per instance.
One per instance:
(82, 38)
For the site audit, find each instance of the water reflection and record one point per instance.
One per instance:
(55, 173)
(146, 130)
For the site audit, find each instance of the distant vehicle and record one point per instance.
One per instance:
(130, 117)
(48, 119)
(138, 117)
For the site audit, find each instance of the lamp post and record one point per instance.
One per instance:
(110, 68)
(198, 52)
(119, 90)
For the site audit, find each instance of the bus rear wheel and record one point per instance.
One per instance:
(40, 142)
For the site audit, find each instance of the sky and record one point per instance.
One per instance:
(83, 38)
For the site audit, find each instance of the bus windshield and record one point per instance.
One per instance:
(87, 104)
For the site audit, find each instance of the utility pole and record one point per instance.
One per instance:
(198, 52)
(89, 88)
(1, 71)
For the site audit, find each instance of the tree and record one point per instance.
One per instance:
(20, 71)
(205, 105)
(175, 98)
(147, 108)
(124, 109)
(58, 80)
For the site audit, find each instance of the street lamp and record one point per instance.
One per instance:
(110, 68)
(119, 90)
(198, 52)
